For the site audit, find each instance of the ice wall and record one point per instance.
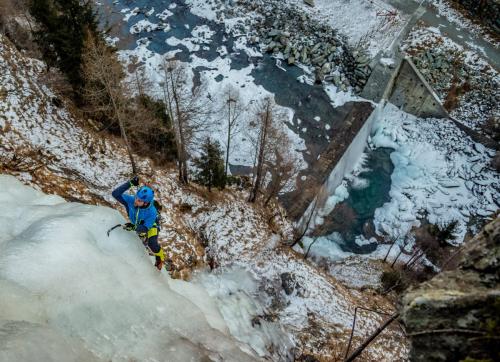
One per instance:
(68, 292)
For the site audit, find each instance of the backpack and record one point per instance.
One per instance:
(158, 208)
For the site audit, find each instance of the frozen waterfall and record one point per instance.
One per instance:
(69, 292)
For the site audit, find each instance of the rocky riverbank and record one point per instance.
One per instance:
(463, 80)
(287, 32)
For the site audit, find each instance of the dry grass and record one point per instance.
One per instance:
(456, 91)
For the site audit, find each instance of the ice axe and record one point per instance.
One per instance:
(113, 228)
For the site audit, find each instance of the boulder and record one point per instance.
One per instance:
(288, 282)
(273, 33)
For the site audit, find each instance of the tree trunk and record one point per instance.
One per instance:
(183, 173)
(409, 265)
(389, 251)
(122, 129)
(268, 199)
(412, 257)
(397, 257)
(309, 248)
(274, 186)
(168, 103)
(260, 162)
(299, 237)
(228, 136)
(129, 150)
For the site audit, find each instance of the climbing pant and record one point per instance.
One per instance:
(151, 239)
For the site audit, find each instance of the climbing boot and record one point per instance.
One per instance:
(159, 264)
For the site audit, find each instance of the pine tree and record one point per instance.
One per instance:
(210, 165)
(63, 25)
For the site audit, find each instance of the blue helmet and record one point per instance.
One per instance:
(145, 194)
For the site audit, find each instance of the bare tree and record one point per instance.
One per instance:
(140, 82)
(303, 227)
(264, 120)
(282, 171)
(104, 89)
(418, 254)
(401, 251)
(188, 108)
(280, 162)
(232, 111)
(393, 238)
(272, 150)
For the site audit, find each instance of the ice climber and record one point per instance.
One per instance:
(143, 216)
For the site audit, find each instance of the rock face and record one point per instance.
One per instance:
(456, 315)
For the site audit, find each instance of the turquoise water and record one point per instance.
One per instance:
(354, 216)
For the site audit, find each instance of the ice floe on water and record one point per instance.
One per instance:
(439, 174)
(165, 14)
(143, 25)
(202, 8)
(129, 13)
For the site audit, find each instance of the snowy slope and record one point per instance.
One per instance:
(29, 120)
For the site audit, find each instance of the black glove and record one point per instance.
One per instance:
(129, 226)
(134, 181)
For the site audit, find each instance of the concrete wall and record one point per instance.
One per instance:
(349, 159)
(413, 94)
(401, 83)
(311, 180)
(345, 165)
(382, 76)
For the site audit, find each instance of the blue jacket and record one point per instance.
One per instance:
(142, 217)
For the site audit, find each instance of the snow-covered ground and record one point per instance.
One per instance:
(30, 121)
(376, 24)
